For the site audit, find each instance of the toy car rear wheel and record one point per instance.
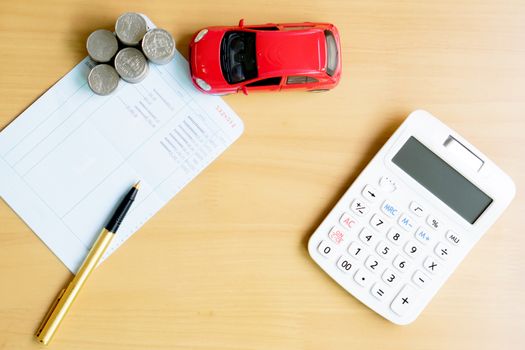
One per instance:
(319, 90)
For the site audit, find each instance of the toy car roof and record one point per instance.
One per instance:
(290, 52)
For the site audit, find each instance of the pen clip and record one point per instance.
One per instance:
(49, 312)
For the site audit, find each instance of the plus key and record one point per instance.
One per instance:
(404, 300)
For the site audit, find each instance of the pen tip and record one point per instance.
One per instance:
(137, 185)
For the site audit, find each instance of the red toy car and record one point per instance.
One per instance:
(269, 57)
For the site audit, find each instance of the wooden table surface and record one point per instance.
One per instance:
(224, 265)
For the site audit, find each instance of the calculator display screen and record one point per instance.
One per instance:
(442, 180)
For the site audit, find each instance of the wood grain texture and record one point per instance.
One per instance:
(224, 265)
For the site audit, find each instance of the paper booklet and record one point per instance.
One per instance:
(67, 160)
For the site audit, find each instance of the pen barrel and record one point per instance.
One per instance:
(66, 298)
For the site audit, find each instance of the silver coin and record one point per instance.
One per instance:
(130, 28)
(131, 65)
(158, 46)
(103, 79)
(102, 45)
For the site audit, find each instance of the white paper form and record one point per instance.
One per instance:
(67, 160)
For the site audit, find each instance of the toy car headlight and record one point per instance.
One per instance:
(203, 85)
(200, 35)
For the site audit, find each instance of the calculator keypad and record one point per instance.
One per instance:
(393, 251)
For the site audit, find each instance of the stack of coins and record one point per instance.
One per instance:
(125, 53)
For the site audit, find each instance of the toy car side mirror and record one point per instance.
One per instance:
(244, 90)
(241, 23)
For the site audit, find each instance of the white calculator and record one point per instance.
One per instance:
(410, 218)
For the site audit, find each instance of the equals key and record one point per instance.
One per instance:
(379, 290)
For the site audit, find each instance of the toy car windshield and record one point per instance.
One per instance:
(238, 56)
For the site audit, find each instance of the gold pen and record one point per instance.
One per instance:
(67, 296)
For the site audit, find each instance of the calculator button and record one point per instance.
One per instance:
(363, 278)
(412, 249)
(370, 193)
(390, 209)
(380, 291)
(368, 236)
(345, 264)
(347, 221)
(396, 236)
(374, 264)
(453, 237)
(404, 300)
(326, 249)
(387, 184)
(356, 251)
(337, 235)
(401, 263)
(390, 277)
(378, 223)
(433, 222)
(407, 223)
(420, 279)
(424, 235)
(442, 250)
(359, 207)
(416, 209)
(432, 265)
(384, 250)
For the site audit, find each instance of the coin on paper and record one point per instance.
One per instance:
(131, 65)
(130, 28)
(102, 45)
(158, 46)
(103, 79)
